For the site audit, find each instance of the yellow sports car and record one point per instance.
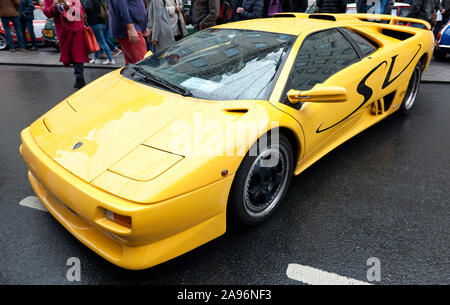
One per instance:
(151, 161)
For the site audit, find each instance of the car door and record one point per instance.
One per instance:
(328, 57)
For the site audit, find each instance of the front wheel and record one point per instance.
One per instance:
(411, 91)
(261, 181)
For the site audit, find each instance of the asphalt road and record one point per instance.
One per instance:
(383, 194)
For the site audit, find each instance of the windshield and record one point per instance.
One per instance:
(217, 64)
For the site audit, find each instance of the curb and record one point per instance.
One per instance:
(86, 66)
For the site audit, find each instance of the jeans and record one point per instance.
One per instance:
(98, 30)
(111, 46)
(17, 29)
(28, 25)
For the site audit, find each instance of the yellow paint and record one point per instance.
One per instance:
(177, 199)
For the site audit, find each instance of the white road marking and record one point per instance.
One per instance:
(32, 202)
(315, 276)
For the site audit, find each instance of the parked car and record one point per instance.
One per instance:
(442, 44)
(38, 24)
(159, 155)
(49, 34)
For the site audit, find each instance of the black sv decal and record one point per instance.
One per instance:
(367, 92)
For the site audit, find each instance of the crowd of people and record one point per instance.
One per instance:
(142, 25)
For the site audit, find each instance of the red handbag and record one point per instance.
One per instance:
(89, 38)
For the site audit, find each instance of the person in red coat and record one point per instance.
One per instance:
(68, 18)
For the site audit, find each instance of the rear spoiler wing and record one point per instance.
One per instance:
(394, 20)
(388, 19)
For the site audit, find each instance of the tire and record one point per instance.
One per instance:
(3, 42)
(411, 91)
(257, 190)
(439, 54)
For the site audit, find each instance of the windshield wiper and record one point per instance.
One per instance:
(160, 81)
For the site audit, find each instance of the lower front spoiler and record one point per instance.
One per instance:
(111, 248)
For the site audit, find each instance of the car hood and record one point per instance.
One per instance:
(98, 126)
(95, 128)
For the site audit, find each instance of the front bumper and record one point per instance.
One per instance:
(159, 231)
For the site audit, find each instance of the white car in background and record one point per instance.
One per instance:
(400, 9)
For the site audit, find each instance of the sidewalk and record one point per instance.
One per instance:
(437, 72)
(49, 57)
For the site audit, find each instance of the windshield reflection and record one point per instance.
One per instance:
(222, 64)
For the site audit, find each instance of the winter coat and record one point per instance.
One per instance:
(158, 21)
(176, 17)
(204, 13)
(422, 9)
(26, 10)
(446, 6)
(70, 35)
(92, 10)
(252, 9)
(9, 8)
(332, 6)
(300, 5)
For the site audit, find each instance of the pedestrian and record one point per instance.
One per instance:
(128, 24)
(279, 6)
(98, 24)
(361, 6)
(9, 12)
(69, 25)
(159, 25)
(26, 14)
(422, 9)
(300, 6)
(445, 11)
(438, 9)
(250, 9)
(332, 6)
(176, 11)
(204, 13)
(115, 51)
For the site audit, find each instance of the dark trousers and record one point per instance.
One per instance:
(79, 75)
(27, 24)
(17, 29)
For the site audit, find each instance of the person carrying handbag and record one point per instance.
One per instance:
(98, 24)
(176, 15)
(69, 29)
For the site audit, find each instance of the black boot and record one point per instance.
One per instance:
(79, 75)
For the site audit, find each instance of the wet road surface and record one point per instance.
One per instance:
(383, 194)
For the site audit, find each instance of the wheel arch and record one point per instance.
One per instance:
(424, 59)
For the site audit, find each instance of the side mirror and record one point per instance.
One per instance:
(149, 53)
(318, 94)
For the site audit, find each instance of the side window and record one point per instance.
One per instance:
(364, 45)
(321, 55)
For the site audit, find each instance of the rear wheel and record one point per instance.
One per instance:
(261, 182)
(3, 42)
(411, 91)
